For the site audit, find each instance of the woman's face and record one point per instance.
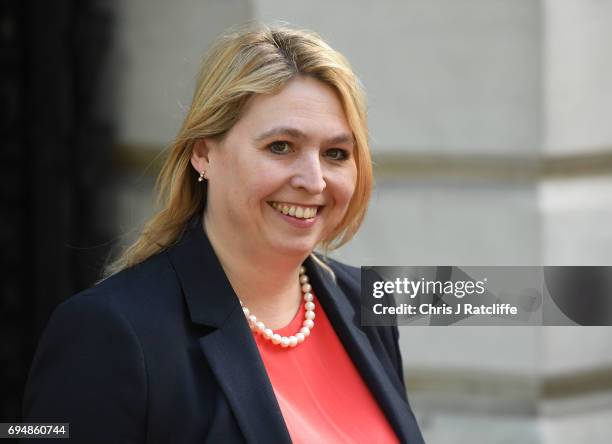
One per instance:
(289, 152)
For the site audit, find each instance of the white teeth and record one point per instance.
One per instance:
(295, 211)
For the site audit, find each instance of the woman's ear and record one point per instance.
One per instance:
(199, 155)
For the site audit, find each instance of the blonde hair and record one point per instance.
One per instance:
(254, 59)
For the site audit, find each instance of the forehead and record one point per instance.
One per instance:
(304, 103)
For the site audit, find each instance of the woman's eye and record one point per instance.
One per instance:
(337, 154)
(280, 147)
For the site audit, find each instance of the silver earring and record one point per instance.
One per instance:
(202, 176)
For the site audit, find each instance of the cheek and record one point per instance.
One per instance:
(345, 188)
(241, 177)
(230, 192)
(350, 182)
(262, 186)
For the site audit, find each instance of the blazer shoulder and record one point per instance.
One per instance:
(149, 273)
(136, 298)
(344, 272)
(147, 287)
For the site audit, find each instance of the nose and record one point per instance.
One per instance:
(309, 175)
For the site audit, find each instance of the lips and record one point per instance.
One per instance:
(296, 211)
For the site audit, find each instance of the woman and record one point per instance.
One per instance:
(220, 324)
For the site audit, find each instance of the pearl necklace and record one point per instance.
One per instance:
(259, 327)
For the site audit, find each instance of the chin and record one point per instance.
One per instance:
(294, 249)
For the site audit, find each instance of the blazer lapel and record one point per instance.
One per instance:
(229, 348)
(344, 320)
(235, 361)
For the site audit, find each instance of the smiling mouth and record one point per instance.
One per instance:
(297, 211)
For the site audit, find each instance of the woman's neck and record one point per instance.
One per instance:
(266, 283)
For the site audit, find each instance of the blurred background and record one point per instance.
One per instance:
(492, 140)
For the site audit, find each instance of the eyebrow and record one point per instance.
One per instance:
(298, 134)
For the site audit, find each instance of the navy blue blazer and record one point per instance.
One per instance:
(162, 353)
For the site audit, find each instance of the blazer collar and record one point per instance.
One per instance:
(233, 355)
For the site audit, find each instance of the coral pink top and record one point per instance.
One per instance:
(320, 391)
